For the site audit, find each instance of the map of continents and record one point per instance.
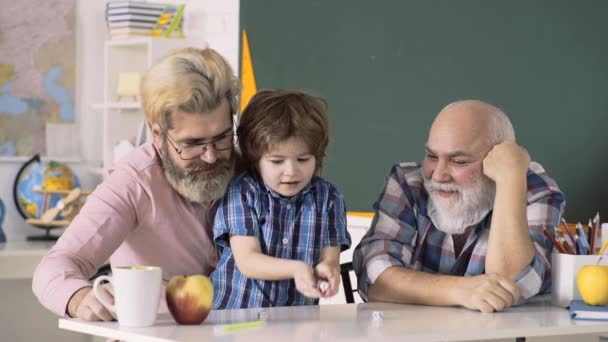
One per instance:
(37, 72)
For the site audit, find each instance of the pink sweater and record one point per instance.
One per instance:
(133, 218)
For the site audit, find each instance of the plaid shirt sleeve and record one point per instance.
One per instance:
(391, 239)
(545, 207)
(235, 213)
(334, 221)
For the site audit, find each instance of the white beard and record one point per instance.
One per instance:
(193, 186)
(468, 207)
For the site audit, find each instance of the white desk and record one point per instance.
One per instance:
(353, 322)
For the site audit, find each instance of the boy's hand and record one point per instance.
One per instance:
(330, 273)
(306, 282)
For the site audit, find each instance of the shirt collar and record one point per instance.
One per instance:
(275, 194)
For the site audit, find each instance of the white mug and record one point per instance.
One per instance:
(136, 294)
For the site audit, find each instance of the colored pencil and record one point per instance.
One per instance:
(590, 236)
(598, 229)
(555, 243)
(566, 246)
(579, 245)
(563, 242)
(583, 238)
(594, 231)
(604, 245)
(569, 232)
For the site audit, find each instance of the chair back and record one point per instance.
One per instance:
(345, 270)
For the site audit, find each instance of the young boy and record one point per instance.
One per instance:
(280, 228)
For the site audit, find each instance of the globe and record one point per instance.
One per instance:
(51, 175)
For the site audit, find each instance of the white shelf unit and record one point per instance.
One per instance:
(120, 120)
(117, 105)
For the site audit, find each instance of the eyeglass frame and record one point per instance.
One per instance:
(205, 145)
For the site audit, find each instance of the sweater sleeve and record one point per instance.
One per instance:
(107, 217)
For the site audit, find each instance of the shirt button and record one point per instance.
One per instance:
(289, 206)
(285, 241)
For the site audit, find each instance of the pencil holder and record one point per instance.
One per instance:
(564, 269)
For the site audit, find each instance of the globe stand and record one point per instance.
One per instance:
(46, 237)
(60, 200)
(47, 226)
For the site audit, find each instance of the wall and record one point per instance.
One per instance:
(386, 68)
(214, 22)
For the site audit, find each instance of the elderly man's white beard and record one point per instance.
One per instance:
(470, 205)
(194, 186)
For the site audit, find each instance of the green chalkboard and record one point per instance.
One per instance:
(387, 67)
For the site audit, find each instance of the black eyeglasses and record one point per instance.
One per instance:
(223, 142)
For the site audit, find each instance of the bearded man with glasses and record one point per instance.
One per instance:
(155, 206)
(209, 164)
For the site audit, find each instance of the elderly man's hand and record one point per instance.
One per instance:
(506, 161)
(488, 293)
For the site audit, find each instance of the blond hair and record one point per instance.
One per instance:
(273, 116)
(190, 80)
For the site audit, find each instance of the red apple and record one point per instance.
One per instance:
(189, 298)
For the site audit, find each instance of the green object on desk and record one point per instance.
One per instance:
(239, 326)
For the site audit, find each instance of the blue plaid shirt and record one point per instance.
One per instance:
(294, 228)
(403, 235)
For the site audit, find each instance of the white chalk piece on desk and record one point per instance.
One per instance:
(263, 316)
(377, 315)
(323, 285)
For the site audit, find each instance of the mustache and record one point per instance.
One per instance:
(202, 167)
(220, 165)
(435, 186)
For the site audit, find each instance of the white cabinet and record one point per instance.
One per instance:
(122, 119)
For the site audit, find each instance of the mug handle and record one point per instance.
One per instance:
(98, 294)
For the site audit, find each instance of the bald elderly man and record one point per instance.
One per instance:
(465, 226)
